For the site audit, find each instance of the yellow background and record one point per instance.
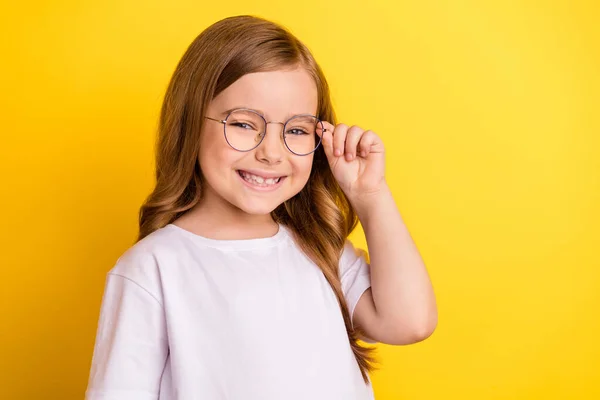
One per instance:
(489, 111)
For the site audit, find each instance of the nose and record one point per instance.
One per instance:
(271, 149)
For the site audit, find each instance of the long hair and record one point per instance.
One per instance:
(319, 216)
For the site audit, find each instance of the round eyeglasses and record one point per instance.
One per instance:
(245, 129)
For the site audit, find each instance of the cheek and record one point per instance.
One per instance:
(216, 158)
(302, 168)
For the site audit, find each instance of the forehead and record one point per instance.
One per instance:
(278, 94)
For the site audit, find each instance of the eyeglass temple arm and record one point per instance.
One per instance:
(218, 120)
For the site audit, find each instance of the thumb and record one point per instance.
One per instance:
(327, 142)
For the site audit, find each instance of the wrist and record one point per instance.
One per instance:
(364, 202)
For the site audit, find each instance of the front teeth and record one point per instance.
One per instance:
(259, 179)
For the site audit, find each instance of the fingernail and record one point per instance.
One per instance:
(338, 152)
(348, 156)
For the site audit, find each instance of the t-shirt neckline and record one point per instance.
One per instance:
(233, 244)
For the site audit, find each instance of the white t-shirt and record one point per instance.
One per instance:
(186, 317)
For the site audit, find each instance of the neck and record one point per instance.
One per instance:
(217, 220)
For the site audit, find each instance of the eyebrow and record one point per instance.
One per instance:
(258, 111)
(249, 108)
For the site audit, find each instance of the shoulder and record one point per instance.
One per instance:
(144, 261)
(351, 255)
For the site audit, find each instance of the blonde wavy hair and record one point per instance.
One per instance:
(320, 215)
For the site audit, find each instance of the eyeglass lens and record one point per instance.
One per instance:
(244, 130)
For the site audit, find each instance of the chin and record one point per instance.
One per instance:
(259, 208)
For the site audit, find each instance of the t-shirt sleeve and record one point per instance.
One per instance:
(131, 343)
(355, 276)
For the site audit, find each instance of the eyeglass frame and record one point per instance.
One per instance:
(224, 122)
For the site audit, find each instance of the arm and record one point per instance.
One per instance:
(400, 306)
(131, 344)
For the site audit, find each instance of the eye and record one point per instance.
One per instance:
(296, 131)
(242, 125)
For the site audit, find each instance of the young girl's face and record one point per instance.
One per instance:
(277, 95)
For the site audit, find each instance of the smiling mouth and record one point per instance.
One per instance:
(259, 180)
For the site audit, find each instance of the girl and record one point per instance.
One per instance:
(243, 284)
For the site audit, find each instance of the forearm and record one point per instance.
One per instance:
(401, 287)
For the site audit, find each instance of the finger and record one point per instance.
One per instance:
(368, 143)
(326, 139)
(364, 147)
(326, 125)
(339, 138)
(352, 138)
